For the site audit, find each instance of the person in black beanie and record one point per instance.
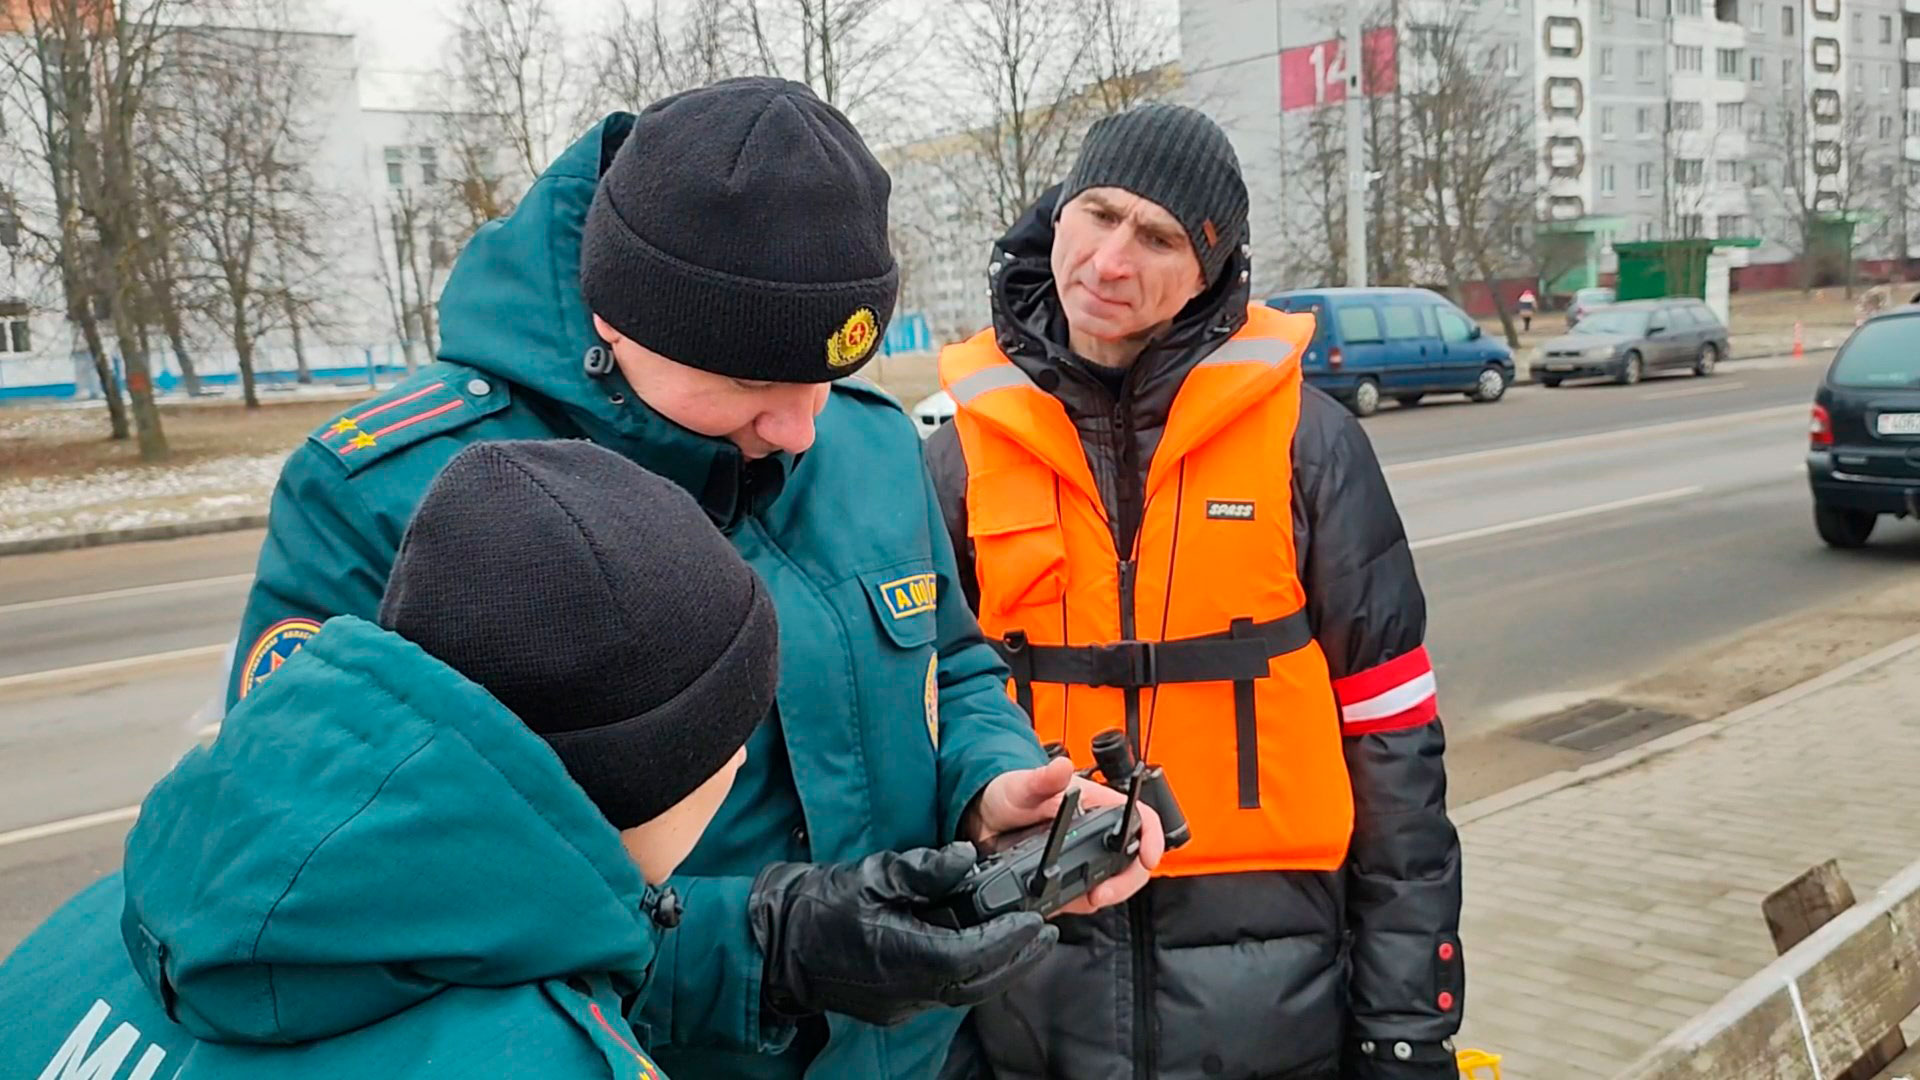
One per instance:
(1309, 930)
(694, 287)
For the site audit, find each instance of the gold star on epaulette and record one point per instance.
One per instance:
(342, 426)
(361, 440)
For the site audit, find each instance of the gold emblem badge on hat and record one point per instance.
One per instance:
(855, 340)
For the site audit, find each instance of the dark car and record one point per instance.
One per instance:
(1864, 460)
(1625, 341)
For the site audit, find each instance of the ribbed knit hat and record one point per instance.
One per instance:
(598, 603)
(742, 228)
(1178, 159)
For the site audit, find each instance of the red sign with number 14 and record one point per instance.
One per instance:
(1316, 74)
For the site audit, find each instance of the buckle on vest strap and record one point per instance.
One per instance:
(1128, 664)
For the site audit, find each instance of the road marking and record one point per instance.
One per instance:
(72, 824)
(34, 678)
(1556, 518)
(120, 594)
(1614, 435)
(1692, 391)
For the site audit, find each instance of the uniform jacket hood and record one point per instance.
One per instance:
(512, 306)
(368, 830)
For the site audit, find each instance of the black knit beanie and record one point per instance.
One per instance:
(1177, 158)
(742, 228)
(598, 603)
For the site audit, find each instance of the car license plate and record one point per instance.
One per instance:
(1898, 424)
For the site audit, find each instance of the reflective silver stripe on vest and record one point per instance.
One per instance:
(1269, 351)
(998, 377)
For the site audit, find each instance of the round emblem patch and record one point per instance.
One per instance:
(275, 647)
(933, 698)
(855, 340)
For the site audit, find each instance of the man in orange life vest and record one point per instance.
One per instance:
(1164, 531)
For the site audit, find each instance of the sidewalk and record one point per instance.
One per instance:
(1601, 915)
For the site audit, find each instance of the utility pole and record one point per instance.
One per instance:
(1356, 155)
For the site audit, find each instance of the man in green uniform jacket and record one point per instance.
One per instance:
(688, 287)
(432, 847)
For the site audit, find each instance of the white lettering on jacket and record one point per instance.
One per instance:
(79, 1059)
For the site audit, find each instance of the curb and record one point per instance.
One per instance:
(176, 530)
(1626, 759)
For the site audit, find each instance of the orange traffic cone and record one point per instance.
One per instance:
(1799, 341)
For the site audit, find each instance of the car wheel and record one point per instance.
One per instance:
(1408, 401)
(1709, 359)
(1630, 370)
(1366, 398)
(1843, 528)
(1492, 385)
(1550, 384)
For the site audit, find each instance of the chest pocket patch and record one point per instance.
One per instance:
(905, 601)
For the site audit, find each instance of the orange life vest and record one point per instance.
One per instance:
(1196, 642)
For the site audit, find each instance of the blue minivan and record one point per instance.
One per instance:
(1398, 343)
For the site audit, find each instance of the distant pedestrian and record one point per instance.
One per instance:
(1527, 304)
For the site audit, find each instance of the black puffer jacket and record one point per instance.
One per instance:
(1274, 975)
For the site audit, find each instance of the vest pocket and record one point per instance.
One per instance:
(1020, 552)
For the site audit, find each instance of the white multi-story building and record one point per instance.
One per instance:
(375, 168)
(1651, 119)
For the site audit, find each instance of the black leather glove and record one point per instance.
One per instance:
(843, 938)
(1392, 1060)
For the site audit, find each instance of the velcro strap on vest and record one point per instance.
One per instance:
(1222, 657)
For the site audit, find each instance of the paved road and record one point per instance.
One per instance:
(1569, 540)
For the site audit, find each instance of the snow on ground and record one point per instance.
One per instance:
(36, 507)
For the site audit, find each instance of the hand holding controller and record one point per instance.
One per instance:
(1048, 866)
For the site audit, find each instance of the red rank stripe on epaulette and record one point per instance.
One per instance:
(647, 1069)
(368, 438)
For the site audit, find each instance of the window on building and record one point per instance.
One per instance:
(1517, 236)
(1688, 58)
(1859, 77)
(1643, 177)
(1606, 179)
(1786, 72)
(1730, 62)
(1606, 121)
(1757, 122)
(1886, 78)
(9, 221)
(1727, 172)
(1606, 63)
(1858, 23)
(1886, 127)
(1886, 29)
(1688, 170)
(1513, 58)
(1786, 19)
(396, 166)
(1605, 9)
(1646, 231)
(1513, 5)
(1643, 64)
(1643, 9)
(1759, 175)
(429, 165)
(1759, 70)
(1643, 121)
(1756, 17)
(1729, 115)
(1684, 115)
(1684, 7)
(16, 335)
(1692, 224)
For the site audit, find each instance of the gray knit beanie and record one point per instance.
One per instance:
(1177, 158)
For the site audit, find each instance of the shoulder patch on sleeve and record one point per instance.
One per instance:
(417, 409)
(861, 388)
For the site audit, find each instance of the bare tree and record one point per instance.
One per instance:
(1471, 160)
(233, 135)
(853, 53)
(414, 253)
(1820, 171)
(1317, 180)
(645, 56)
(508, 61)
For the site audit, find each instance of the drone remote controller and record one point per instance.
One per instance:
(1047, 866)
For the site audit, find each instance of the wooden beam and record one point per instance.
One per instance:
(1804, 905)
(1830, 998)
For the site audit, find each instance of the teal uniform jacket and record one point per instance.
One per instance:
(375, 871)
(891, 714)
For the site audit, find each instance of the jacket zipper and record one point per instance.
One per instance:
(1139, 918)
